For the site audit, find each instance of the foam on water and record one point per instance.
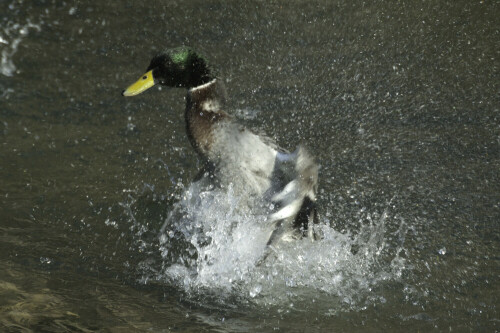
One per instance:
(212, 242)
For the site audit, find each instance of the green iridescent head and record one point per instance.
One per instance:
(178, 67)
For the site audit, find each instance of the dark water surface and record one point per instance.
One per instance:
(398, 100)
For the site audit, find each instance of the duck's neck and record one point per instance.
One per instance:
(204, 111)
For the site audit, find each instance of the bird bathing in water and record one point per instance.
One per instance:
(260, 173)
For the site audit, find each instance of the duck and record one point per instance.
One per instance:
(234, 155)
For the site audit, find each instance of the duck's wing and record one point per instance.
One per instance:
(296, 200)
(300, 173)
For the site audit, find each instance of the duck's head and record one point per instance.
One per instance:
(179, 67)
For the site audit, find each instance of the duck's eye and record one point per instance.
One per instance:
(144, 77)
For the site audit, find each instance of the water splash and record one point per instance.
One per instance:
(210, 246)
(11, 35)
(211, 240)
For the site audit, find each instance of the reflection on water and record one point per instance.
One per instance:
(40, 302)
(36, 306)
(398, 101)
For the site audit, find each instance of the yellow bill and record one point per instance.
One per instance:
(144, 83)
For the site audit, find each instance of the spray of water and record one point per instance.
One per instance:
(11, 36)
(211, 243)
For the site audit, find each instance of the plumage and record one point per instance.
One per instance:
(235, 156)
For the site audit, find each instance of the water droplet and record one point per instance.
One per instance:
(45, 260)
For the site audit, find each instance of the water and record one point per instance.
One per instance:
(397, 100)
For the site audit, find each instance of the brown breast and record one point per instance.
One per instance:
(203, 112)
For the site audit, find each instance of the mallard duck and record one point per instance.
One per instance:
(234, 155)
